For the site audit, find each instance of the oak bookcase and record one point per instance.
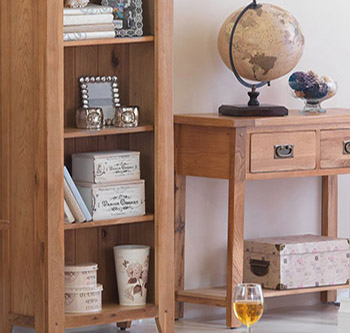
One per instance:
(39, 93)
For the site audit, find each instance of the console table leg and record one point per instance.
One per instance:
(329, 220)
(235, 244)
(180, 212)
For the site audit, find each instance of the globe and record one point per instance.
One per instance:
(268, 43)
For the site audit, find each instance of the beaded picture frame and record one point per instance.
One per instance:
(100, 92)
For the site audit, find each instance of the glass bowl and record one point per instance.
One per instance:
(312, 89)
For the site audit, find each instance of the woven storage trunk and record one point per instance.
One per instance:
(296, 262)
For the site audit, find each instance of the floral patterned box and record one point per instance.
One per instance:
(296, 261)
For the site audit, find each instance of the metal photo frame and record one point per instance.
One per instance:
(100, 92)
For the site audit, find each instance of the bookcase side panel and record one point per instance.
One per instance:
(48, 176)
(34, 135)
(164, 165)
(21, 160)
(5, 165)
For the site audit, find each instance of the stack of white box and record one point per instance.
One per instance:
(110, 183)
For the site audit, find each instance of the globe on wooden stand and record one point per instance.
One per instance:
(260, 43)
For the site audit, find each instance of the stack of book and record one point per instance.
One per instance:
(75, 209)
(91, 22)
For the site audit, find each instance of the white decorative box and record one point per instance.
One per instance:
(83, 275)
(296, 261)
(106, 167)
(83, 300)
(114, 200)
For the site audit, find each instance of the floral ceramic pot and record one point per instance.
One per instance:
(131, 264)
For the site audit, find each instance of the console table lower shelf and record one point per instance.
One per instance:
(216, 296)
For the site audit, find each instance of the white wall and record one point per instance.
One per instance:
(202, 83)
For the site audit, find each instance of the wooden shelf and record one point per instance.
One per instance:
(216, 296)
(104, 223)
(4, 224)
(110, 41)
(111, 313)
(71, 133)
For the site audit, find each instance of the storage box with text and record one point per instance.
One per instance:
(114, 200)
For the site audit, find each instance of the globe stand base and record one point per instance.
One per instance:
(263, 110)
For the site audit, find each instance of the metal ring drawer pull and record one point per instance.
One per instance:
(346, 147)
(285, 151)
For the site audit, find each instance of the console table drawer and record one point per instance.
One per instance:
(283, 151)
(335, 149)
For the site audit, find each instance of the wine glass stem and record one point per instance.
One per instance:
(249, 329)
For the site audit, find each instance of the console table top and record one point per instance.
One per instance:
(335, 116)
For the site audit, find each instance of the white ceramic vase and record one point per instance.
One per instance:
(131, 264)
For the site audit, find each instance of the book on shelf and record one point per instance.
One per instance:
(88, 35)
(90, 9)
(91, 22)
(88, 28)
(73, 204)
(76, 196)
(68, 215)
(87, 19)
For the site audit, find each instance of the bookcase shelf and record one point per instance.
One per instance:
(111, 313)
(111, 222)
(72, 133)
(109, 41)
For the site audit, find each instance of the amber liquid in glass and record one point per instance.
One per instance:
(248, 312)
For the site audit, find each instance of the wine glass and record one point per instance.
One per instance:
(248, 304)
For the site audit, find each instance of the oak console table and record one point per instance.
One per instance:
(240, 149)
